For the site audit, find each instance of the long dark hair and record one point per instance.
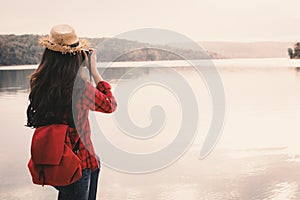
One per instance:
(52, 86)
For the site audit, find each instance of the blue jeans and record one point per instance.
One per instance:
(83, 189)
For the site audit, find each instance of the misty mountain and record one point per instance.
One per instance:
(242, 49)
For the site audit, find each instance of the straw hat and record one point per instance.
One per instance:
(63, 39)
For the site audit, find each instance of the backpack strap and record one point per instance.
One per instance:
(76, 147)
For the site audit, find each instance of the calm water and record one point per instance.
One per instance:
(257, 157)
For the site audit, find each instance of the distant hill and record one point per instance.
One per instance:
(249, 50)
(243, 49)
(24, 49)
(18, 50)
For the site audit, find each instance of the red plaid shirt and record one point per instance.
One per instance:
(96, 99)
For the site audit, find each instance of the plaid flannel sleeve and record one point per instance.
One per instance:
(100, 98)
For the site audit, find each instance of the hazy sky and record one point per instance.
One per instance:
(201, 20)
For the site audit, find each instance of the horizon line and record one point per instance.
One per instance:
(208, 40)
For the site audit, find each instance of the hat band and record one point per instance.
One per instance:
(74, 45)
(69, 45)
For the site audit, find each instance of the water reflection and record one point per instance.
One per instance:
(14, 80)
(263, 120)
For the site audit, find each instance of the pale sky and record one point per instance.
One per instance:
(200, 20)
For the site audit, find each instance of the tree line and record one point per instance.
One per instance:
(24, 50)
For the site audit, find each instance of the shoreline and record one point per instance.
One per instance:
(235, 62)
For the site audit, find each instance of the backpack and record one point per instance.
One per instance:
(52, 161)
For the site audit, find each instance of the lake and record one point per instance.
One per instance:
(256, 157)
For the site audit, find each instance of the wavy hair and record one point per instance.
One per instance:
(52, 87)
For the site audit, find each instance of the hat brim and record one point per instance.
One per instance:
(82, 45)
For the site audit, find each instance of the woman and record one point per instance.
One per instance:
(61, 94)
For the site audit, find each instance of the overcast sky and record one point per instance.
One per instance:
(201, 20)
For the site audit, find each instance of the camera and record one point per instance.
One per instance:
(89, 66)
(88, 51)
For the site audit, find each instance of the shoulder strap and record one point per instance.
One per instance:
(76, 147)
